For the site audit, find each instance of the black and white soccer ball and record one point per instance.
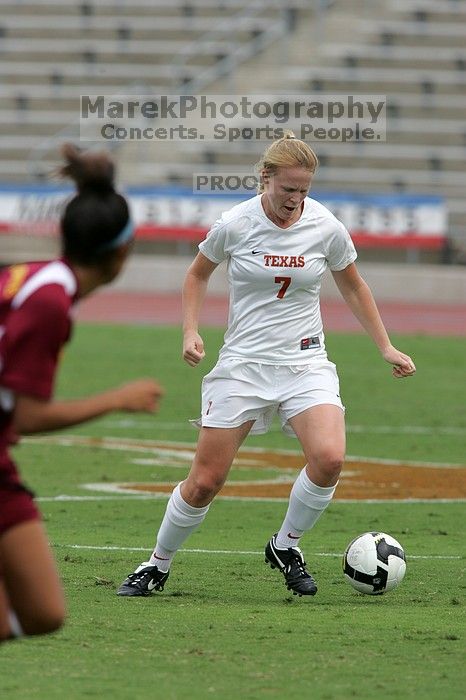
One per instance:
(374, 563)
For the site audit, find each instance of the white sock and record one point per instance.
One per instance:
(179, 521)
(15, 628)
(306, 505)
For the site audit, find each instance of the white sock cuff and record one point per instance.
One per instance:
(184, 508)
(15, 627)
(312, 488)
(313, 496)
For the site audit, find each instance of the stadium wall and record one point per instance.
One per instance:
(420, 283)
(389, 282)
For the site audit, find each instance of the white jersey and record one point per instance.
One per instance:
(274, 277)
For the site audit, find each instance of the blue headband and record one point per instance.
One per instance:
(123, 237)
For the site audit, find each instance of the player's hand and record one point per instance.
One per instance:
(139, 395)
(193, 349)
(403, 365)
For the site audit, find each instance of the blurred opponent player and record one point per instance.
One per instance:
(278, 245)
(35, 304)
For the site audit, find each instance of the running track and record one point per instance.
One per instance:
(130, 307)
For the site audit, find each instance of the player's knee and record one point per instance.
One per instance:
(330, 464)
(203, 488)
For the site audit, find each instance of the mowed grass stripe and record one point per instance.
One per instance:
(350, 428)
(186, 450)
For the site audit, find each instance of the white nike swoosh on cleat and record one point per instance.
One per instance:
(151, 585)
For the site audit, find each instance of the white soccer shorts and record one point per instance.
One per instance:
(236, 391)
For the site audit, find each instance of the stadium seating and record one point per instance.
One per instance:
(411, 51)
(55, 50)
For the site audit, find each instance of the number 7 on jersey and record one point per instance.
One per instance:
(285, 282)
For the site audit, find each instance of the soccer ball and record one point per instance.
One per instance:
(374, 563)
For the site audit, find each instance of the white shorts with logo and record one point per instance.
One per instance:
(236, 391)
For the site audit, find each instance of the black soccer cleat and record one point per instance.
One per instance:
(291, 563)
(143, 581)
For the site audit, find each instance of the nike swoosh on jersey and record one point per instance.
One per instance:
(258, 252)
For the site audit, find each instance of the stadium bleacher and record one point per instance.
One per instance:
(410, 50)
(54, 51)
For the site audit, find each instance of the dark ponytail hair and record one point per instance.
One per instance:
(97, 214)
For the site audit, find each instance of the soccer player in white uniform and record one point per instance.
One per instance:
(277, 246)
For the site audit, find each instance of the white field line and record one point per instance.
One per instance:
(245, 464)
(373, 429)
(138, 496)
(406, 429)
(186, 450)
(108, 548)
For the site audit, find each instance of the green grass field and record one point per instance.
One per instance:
(226, 627)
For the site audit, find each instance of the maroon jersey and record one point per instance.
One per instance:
(35, 323)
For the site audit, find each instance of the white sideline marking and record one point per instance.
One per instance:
(138, 496)
(108, 548)
(77, 499)
(245, 464)
(408, 429)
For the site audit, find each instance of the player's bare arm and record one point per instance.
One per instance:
(194, 290)
(33, 415)
(358, 296)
